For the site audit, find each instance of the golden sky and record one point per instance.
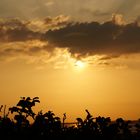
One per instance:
(74, 55)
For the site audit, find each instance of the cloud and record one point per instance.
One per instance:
(49, 39)
(32, 51)
(43, 25)
(16, 30)
(22, 38)
(113, 37)
(57, 21)
(31, 47)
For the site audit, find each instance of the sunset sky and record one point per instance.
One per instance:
(72, 54)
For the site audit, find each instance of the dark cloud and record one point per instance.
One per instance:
(21, 34)
(23, 37)
(16, 30)
(110, 38)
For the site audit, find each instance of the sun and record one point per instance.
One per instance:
(79, 64)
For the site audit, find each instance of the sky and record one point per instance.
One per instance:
(74, 55)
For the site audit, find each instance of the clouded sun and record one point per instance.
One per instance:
(79, 64)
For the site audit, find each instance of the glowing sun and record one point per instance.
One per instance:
(79, 64)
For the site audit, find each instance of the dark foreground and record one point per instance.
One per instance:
(47, 126)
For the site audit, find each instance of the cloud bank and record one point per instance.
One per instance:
(113, 37)
(82, 39)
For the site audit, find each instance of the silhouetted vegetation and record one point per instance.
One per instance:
(49, 126)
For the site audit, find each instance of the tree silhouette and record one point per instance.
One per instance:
(24, 109)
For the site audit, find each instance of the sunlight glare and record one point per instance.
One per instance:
(80, 64)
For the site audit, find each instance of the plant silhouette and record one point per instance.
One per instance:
(25, 106)
(24, 109)
(49, 126)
